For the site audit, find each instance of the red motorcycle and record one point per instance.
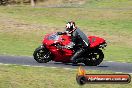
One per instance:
(50, 50)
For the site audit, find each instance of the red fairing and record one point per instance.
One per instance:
(60, 55)
(64, 55)
(95, 41)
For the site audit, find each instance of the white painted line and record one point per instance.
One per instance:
(117, 61)
(118, 72)
(14, 55)
(4, 64)
(37, 66)
(26, 65)
(53, 67)
(109, 61)
(67, 68)
(50, 67)
(123, 72)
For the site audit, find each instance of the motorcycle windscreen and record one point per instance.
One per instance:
(83, 37)
(53, 36)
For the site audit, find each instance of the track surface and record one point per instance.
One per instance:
(23, 60)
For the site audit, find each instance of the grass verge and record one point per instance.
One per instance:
(14, 76)
(22, 28)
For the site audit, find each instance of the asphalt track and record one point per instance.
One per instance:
(29, 61)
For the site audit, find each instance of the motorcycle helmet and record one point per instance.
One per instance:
(70, 26)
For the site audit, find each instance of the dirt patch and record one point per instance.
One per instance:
(9, 24)
(14, 26)
(61, 3)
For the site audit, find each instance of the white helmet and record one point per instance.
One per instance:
(70, 26)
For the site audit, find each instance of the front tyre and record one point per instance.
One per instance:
(94, 58)
(42, 55)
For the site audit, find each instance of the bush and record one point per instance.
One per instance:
(3, 2)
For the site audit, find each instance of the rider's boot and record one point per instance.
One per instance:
(76, 56)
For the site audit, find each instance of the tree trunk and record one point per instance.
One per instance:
(32, 2)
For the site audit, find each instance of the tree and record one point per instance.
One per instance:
(3, 2)
(33, 2)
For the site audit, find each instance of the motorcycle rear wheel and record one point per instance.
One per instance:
(42, 55)
(94, 58)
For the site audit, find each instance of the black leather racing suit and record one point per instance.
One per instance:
(78, 39)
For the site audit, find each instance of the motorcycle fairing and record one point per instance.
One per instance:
(64, 55)
(95, 41)
(59, 54)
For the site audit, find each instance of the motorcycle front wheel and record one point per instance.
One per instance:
(94, 57)
(42, 55)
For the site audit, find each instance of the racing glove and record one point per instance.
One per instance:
(61, 33)
(70, 46)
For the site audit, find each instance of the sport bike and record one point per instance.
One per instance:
(50, 50)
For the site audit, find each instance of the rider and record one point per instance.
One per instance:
(73, 31)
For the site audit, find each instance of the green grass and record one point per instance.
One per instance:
(14, 76)
(108, 4)
(22, 28)
(20, 42)
(118, 53)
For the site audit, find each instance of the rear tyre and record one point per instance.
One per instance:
(42, 55)
(94, 58)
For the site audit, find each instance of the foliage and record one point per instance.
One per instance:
(3, 2)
